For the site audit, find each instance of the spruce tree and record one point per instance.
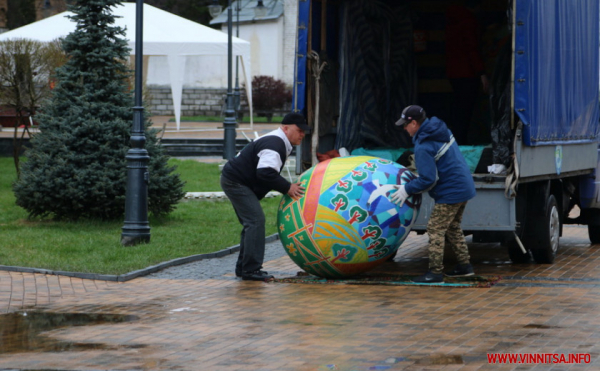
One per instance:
(76, 166)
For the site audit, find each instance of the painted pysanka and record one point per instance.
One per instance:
(345, 223)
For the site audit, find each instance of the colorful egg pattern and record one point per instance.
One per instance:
(345, 223)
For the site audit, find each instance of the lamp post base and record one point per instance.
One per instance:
(135, 238)
(136, 228)
(229, 137)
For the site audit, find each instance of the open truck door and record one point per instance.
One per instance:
(390, 54)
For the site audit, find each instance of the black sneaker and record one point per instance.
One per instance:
(238, 273)
(256, 276)
(461, 270)
(429, 277)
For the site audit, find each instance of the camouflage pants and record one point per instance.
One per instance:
(444, 227)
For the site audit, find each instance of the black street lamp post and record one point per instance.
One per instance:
(136, 228)
(236, 93)
(214, 9)
(229, 123)
(260, 10)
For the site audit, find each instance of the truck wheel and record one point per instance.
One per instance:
(546, 232)
(515, 253)
(594, 233)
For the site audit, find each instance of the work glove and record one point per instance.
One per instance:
(399, 196)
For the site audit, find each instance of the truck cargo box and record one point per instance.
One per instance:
(378, 56)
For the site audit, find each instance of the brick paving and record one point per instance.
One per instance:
(198, 316)
(223, 323)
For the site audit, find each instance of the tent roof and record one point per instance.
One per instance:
(164, 33)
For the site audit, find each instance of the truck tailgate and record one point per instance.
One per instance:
(490, 210)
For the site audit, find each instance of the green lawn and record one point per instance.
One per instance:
(195, 227)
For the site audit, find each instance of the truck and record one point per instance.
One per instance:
(360, 62)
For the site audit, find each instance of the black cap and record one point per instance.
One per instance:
(297, 119)
(410, 113)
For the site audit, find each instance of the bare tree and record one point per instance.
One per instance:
(26, 78)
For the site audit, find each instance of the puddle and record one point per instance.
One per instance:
(497, 262)
(441, 359)
(294, 322)
(20, 331)
(542, 327)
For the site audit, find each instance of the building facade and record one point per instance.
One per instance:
(273, 44)
(273, 47)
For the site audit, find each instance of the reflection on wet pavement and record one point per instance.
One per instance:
(192, 321)
(22, 331)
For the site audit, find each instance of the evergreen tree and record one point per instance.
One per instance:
(76, 166)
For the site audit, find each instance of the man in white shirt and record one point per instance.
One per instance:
(248, 177)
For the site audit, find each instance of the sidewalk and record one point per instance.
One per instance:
(187, 130)
(208, 130)
(200, 317)
(190, 129)
(185, 321)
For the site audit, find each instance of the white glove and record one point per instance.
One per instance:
(497, 169)
(399, 196)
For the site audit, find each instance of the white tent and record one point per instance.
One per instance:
(165, 34)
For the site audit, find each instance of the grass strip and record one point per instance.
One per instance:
(195, 227)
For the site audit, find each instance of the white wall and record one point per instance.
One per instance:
(290, 21)
(273, 45)
(266, 46)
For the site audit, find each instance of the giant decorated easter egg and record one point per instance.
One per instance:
(346, 223)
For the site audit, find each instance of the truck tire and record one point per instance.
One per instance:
(546, 232)
(594, 233)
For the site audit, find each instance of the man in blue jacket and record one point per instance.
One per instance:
(248, 177)
(444, 173)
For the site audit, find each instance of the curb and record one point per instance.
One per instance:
(135, 274)
(219, 195)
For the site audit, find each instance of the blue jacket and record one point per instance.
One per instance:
(454, 180)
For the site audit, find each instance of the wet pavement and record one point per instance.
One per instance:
(200, 317)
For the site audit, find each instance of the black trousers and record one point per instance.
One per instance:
(252, 218)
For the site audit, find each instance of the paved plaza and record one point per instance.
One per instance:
(200, 317)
